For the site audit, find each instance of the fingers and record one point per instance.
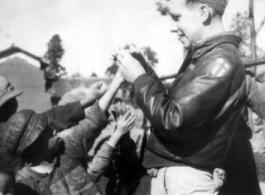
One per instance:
(131, 122)
(118, 109)
(103, 87)
(129, 118)
(133, 49)
(124, 108)
(127, 115)
(97, 85)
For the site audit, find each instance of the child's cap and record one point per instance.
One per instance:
(7, 91)
(218, 5)
(22, 129)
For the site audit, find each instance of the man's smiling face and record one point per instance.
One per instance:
(187, 21)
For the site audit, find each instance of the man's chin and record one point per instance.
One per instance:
(186, 44)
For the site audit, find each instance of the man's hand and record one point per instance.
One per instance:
(96, 91)
(130, 68)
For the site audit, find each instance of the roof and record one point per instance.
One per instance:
(30, 80)
(13, 49)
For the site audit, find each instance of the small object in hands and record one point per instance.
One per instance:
(219, 177)
(115, 58)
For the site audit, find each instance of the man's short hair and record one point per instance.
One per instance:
(191, 1)
(217, 5)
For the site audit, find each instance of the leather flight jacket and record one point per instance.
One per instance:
(194, 122)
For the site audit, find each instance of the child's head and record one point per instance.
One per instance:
(28, 133)
(7, 179)
(48, 143)
(8, 102)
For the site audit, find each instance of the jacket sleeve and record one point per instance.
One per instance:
(83, 135)
(23, 189)
(26, 185)
(181, 115)
(256, 95)
(64, 117)
(149, 70)
(101, 161)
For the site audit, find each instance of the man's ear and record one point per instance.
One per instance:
(205, 13)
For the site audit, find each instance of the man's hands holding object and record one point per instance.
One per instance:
(129, 67)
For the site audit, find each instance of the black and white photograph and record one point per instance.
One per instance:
(132, 97)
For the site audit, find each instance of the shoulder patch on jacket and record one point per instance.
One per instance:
(220, 67)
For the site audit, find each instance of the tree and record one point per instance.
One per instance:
(53, 56)
(244, 26)
(162, 8)
(112, 70)
(76, 75)
(94, 75)
(150, 55)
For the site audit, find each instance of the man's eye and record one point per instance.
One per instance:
(175, 18)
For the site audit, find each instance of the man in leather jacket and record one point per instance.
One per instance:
(197, 121)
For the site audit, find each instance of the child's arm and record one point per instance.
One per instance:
(84, 134)
(124, 125)
(66, 116)
(105, 155)
(106, 99)
(96, 92)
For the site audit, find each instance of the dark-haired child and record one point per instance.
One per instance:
(7, 179)
(56, 162)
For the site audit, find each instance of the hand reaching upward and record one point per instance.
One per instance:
(125, 123)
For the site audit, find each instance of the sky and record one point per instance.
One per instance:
(91, 29)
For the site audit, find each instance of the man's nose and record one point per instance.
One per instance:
(173, 27)
(174, 31)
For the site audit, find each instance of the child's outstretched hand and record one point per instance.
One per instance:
(98, 89)
(119, 109)
(125, 123)
(118, 77)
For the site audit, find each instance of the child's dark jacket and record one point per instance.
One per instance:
(70, 175)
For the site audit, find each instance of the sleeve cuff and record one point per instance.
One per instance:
(110, 145)
(109, 150)
(98, 115)
(78, 110)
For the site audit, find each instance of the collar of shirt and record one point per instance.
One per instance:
(203, 46)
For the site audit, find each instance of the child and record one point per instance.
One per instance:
(56, 161)
(8, 102)
(8, 106)
(7, 179)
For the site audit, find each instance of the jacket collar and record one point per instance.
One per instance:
(206, 45)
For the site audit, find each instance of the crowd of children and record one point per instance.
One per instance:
(46, 153)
